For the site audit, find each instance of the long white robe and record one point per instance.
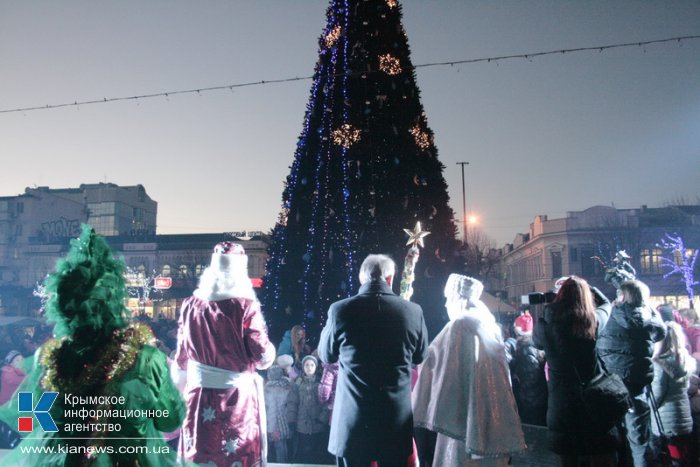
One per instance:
(464, 394)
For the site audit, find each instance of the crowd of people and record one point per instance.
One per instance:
(375, 392)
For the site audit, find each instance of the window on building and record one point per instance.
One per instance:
(573, 254)
(165, 271)
(199, 269)
(587, 262)
(678, 258)
(183, 271)
(650, 261)
(102, 209)
(556, 264)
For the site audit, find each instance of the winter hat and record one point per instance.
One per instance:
(229, 257)
(463, 287)
(523, 324)
(274, 373)
(11, 355)
(309, 357)
(285, 361)
(227, 275)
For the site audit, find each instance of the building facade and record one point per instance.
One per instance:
(584, 242)
(36, 228)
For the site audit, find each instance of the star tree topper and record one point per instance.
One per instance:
(415, 239)
(415, 236)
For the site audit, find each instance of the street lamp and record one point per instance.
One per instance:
(464, 202)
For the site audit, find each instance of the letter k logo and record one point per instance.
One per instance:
(40, 411)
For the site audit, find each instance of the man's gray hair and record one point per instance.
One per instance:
(376, 267)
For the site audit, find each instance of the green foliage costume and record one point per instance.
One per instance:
(97, 356)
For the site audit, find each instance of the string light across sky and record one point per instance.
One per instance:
(543, 134)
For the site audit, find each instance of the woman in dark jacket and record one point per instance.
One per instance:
(672, 369)
(568, 335)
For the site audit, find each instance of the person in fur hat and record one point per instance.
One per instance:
(222, 341)
(463, 390)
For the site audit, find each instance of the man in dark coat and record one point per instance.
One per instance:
(376, 336)
(626, 346)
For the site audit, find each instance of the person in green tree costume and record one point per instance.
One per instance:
(99, 361)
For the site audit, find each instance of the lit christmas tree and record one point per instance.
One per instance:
(364, 169)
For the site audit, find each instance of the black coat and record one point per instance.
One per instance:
(572, 361)
(377, 337)
(627, 343)
(529, 383)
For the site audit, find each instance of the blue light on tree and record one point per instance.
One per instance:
(682, 261)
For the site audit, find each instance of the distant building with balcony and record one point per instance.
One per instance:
(180, 258)
(583, 241)
(36, 228)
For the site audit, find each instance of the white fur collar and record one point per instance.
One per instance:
(214, 287)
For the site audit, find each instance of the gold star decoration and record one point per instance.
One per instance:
(389, 65)
(284, 216)
(346, 135)
(391, 3)
(415, 236)
(332, 37)
(421, 137)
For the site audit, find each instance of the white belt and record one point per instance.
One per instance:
(211, 377)
(200, 375)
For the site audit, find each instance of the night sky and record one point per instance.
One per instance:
(543, 135)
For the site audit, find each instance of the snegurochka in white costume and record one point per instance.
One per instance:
(463, 392)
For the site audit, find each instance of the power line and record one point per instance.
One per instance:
(527, 56)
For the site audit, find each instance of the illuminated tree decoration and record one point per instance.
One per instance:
(346, 135)
(333, 36)
(284, 216)
(351, 183)
(421, 137)
(681, 262)
(391, 3)
(389, 65)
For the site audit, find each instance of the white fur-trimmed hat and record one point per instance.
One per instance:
(229, 257)
(285, 361)
(463, 287)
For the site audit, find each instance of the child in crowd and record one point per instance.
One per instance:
(286, 362)
(277, 390)
(672, 369)
(326, 389)
(692, 330)
(310, 415)
(11, 375)
(527, 374)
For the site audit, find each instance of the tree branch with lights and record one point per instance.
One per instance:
(685, 266)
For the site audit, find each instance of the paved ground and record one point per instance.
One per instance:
(536, 454)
